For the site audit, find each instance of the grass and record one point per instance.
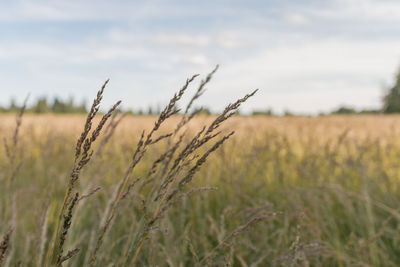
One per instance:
(292, 191)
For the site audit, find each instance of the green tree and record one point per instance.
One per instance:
(392, 98)
(58, 106)
(81, 108)
(345, 110)
(267, 112)
(203, 111)
(41, 106)
(13, 106)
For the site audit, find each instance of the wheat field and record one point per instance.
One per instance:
(282, 191)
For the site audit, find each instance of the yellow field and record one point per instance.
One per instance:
(325, 127)
(319, 191)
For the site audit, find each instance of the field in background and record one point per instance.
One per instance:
(331, 185)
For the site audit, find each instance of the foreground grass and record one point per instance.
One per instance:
(330, 188)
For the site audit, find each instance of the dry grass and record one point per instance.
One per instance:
(286, 191)
(163, 187)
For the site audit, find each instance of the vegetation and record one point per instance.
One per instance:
(344, 110)
(166, 183)
(392, 98)
(267, 112)
(391, 104)
(328, 189)
(43, 105)
(289, 191)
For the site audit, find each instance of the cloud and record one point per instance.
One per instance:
(302, 55)
(297, 19)
(373, 9)
(356, 10)
(40, 11)
(312, 75)
(182, 40)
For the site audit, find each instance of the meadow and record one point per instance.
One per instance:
(281, 191)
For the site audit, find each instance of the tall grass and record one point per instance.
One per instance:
(165, 184)
(181, 190)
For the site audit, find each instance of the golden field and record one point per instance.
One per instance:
(282, 191)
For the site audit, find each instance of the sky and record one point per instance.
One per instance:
(306, 56)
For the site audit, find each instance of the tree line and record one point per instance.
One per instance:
(60, 106)
(43, 105)
(390, 104)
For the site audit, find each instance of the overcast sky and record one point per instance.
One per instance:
(304, 55)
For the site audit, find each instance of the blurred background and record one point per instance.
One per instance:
(309, 190)
(306, 56)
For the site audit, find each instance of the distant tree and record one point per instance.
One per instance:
(158, 109)
(81, 108)
(202, 111)
(205, 111)
(69, 106)
(13, 106)
(267, 112)
(344, 110)
(370, 111)
(130, 112)
(41, 106)
(58, 106)
(287, 113)
(392, 99)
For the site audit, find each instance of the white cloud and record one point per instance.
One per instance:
(297, 18)
(308, 68)
(196, 60)
(231, 39)
(182, 40)
(374, 9)
(313, 75)
(357, 10)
